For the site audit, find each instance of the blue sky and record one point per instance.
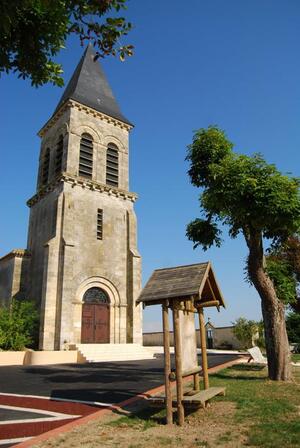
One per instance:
(232, 63)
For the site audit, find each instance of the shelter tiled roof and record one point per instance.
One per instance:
(195, 280)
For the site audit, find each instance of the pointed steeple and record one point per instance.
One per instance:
(89, 86)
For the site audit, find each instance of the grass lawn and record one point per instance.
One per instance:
(254, 412)
(270, 410)
(296, 357)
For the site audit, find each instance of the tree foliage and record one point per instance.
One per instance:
(32, 32)
(252, 198)
(293, 327)
(283, 279)
(19, 325)
(248, 332)
(243, 192)
(283, 265)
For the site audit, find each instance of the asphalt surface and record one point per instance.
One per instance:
(108, 382)
(7, 414)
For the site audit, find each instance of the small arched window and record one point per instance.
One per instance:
(86, 156)
(59, 155)
(96, 295)
(45, 167)
(112, 165)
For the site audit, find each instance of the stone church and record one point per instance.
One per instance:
(81, 265)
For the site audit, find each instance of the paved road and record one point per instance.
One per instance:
(27, 415)
(109, 382)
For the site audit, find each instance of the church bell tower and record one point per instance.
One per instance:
(85, 270)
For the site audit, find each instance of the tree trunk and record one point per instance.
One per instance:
(277, 345)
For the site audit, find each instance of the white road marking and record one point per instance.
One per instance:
(14, 441)
(68, 400)
(53, 416)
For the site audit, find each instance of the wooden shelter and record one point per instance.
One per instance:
(185, 290)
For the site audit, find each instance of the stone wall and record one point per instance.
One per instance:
(223, 337)
(7, 265)
(14, 275)
(30, 357)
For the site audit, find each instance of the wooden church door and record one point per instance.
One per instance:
(95, 317)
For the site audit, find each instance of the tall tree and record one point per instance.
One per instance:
(32, 32)
(254, 199)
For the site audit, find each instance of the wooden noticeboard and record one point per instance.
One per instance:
(188, 340)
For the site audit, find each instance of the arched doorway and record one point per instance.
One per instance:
(209, 338)
(95, 317)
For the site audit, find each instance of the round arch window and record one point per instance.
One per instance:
(96, 295)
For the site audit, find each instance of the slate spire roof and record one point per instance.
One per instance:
(89, 86)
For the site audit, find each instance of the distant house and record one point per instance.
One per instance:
(221, 337)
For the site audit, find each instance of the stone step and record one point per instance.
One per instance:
(107, 353)
(114, 352)
(121, 359)
(112, 348)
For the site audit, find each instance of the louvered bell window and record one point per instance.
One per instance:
(45, 167)
(59, 155)
(86, 156)
(112, 165)
(99, 224)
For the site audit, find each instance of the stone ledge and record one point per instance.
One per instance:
(88, 110)
(31, 357)
(16, 253)
(83, 183)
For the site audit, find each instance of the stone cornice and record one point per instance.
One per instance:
(87, 110)
(16, 253)
(83, 183)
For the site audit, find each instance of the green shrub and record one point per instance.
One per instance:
(293, 327)
(19, 325)
(249, 332)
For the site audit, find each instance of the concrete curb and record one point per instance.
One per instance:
(98, 414)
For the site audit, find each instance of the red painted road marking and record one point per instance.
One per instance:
(62, 412)
(52, 404)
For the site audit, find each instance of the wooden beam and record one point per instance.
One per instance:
(205, 395)
(168, 392)
(208, 304)
(178, 364)
(203, 348)
(211, 289)
(196, 381)
(172, 375)
(205, 276)
(196, 398)
(216, 287)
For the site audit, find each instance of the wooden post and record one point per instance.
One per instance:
(203, 348)
(178, 364)
(196, 381)
(168, 393)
